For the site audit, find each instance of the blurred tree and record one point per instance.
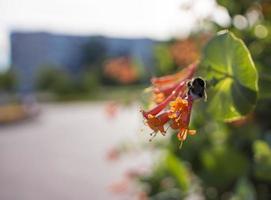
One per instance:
(94, 53)
(59, 82)
(54, 80)
(7, 81)
(164, 60)
(89, 82)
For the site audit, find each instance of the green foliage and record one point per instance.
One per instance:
(89, 82)
(169, 180)
(232, 160)
(61, 84)
(227, 64)
(164, 61)
(7, 81)
(244, 190)
(262, 158)
(54, 80)
(222, 165)
(236, 7)
(94, 52)
(178, 170)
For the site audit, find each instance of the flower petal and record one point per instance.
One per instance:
(192, 132)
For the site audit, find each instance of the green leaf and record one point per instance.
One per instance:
(217, 165)
(178, 170)
(244, 190)
(228, 63)
(262, 160)
(164, 61)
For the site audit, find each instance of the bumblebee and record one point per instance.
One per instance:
(197, 88)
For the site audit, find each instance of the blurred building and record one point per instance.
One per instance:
(32, 51)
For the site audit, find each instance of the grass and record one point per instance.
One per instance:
(124, 94)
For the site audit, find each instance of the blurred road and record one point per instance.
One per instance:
(62, 153)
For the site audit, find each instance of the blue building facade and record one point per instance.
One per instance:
(32, 51)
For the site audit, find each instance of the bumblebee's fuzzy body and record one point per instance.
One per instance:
(196, 88)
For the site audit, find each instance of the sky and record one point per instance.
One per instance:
(157, 19)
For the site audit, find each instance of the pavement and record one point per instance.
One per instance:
(61, 154)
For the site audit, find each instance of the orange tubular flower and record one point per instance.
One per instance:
(159, 97)
(165, 90)
(185, 73)
(156, 123)
(178, 105)
(157, 109)
(164, 86)
(180, 111)
(183, 134)
(175, 95)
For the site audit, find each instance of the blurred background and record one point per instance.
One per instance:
(72, 75)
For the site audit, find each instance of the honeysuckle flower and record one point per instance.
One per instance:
(165, 90)
(157, 109)
(164, 86)
(178, 105)
(180, 112)
(174, 95)
(185, 73)
(156, 123)
(183, 134)
(158, 97)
